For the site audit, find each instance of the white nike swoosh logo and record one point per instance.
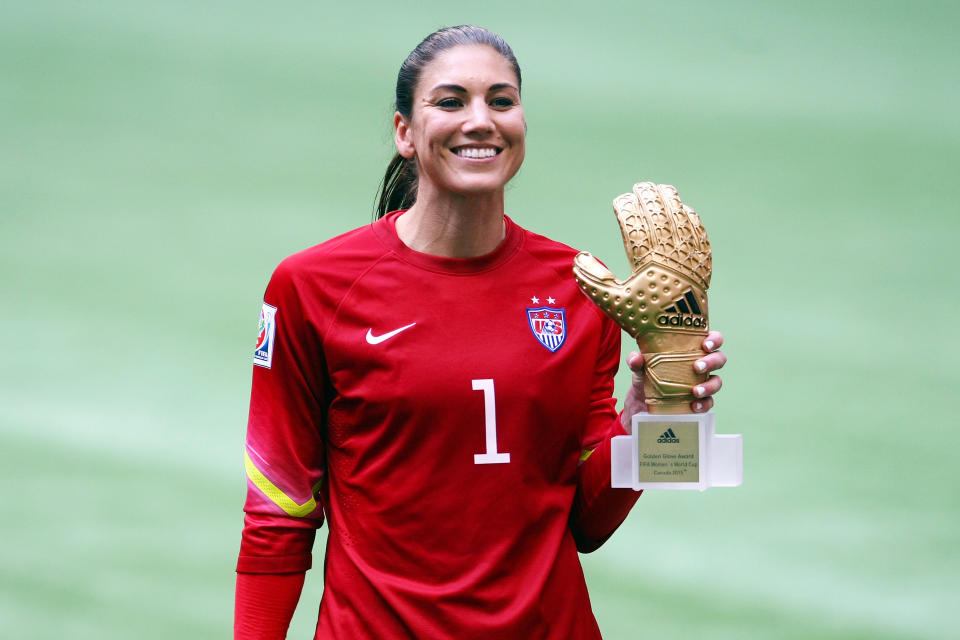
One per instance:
(372, 339)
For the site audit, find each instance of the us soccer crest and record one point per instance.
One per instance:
(549, 326)
(266, 332)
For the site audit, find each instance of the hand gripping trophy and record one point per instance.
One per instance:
(663, 305)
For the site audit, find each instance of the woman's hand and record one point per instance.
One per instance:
(712, 361)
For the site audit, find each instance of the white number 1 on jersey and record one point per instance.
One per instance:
(490, 423)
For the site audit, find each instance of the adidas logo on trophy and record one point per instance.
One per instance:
(683, 312)
(668, 436)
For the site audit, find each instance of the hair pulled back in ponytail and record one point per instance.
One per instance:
(399, 187)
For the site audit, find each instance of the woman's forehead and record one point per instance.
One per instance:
(476, 64)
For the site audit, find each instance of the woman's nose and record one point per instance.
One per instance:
(478, 117)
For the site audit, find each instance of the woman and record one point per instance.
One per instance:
(438, 389)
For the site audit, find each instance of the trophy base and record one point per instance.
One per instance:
(676, 452)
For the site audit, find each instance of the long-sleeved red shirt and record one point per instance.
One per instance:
(436, 412)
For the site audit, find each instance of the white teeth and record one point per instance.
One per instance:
(472, 152)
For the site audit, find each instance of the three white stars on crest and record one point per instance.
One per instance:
(536, 300)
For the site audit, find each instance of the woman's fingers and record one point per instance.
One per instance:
(715, 359)
(713, 341)
(710, 362)
(708, 388)
(704, 392)
(702, 406)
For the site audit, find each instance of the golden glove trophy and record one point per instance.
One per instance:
(663, 305)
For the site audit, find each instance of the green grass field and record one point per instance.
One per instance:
(158, 160)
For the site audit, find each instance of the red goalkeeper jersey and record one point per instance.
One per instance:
(435, 412)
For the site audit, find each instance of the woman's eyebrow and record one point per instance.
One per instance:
(459, 89)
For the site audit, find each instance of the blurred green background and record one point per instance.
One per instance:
(159, 159)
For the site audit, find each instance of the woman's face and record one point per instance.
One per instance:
(467, 128)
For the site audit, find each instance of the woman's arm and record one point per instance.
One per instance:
(598, 509)
(285, 464)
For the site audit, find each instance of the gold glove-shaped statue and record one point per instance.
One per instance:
(663, 304)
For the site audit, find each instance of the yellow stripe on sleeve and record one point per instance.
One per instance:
(277, 496)
(586, 453)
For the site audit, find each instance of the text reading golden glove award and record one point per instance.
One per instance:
(663, 305)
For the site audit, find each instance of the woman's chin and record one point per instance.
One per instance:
(479, 186)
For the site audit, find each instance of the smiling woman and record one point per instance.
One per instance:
(436, 388)
(466, 134)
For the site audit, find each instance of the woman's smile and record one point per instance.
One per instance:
(476, 153)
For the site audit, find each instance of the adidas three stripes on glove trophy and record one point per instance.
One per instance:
(663, 305)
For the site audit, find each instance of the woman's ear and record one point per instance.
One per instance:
(403, 136)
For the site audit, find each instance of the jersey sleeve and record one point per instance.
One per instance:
(284, 452)
(598, 508)
(603, 420)
(264, 604)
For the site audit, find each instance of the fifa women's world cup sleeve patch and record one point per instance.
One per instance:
(266, 336)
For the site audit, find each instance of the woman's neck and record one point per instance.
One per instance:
(453, 226)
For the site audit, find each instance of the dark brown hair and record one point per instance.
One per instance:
(399, 187)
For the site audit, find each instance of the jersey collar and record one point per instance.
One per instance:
(386, 231)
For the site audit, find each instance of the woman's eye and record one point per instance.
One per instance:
(502, 102)
(448, 103)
